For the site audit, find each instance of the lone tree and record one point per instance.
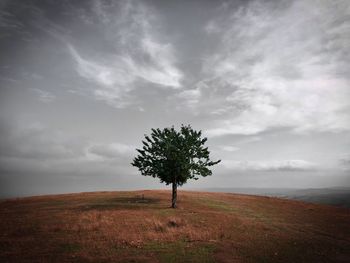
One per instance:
(174, 157)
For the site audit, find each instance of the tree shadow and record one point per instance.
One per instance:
(122, 203)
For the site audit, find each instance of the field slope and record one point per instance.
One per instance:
(140, 227)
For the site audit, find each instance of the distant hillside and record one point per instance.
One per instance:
(338, 196)
(139, 226)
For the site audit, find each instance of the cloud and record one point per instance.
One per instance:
(32, 149)
(35, 141)
(44, 95)
(345, 162)
(8, 21)
(284, 165)
(278, 65)
(139, 53)
(189, 97)
(35, 159)
(113, 150)
(228, 148)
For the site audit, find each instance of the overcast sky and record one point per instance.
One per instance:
(81, 82)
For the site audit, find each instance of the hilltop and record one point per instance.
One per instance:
(139, 226)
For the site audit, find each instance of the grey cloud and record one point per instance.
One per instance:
(209, 97)
(45, 96)
(284, 165)
(128, 46)
(272, 56)
(345, 162)
(113, 150)
(229, 148)
(35, 159)
(138, 53)
(35, 141)
(82, 81)
(39, 143)
(9, 22)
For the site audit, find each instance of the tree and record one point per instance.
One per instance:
(174, 157)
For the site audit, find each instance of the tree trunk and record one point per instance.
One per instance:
(174, 197)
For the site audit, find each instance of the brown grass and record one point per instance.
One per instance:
(141, 227)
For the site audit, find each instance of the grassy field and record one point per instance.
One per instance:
(140, 227)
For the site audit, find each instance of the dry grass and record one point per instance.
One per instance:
(141, 227)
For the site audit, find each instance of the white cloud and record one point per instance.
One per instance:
(162, 70)
(280, 66)
(284, 165)
(139, 54)
(103, 75)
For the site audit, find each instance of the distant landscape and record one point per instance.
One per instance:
(338, 196)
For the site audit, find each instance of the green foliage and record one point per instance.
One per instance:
(174, 156)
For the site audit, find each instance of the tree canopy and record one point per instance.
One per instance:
(174, 156)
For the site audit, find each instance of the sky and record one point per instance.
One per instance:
(81, 82)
